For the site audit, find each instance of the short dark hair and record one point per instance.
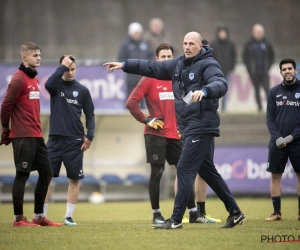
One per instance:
(70, 56)
(205, 42)
(287, 60)
(164, 46)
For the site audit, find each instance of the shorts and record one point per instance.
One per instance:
(30, 154)
(68, 152)
(159, 149)
(278, 157)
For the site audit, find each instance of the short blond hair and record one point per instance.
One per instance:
(29, 46)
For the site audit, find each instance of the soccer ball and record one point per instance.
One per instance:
(96, 198)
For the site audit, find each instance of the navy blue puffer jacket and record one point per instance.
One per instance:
(196, 73)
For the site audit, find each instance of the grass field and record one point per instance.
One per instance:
(127, 225)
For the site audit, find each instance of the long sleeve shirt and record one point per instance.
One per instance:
(283, 111)
(21, 105)
(68, 100)
(160, 102)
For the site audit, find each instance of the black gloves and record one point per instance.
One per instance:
(179, 135)
(155, 123)
(5, 136)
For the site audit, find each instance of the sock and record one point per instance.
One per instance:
(38, 216)
(46, 209)
(194, 209)
(276, 200)
(18, 217)
(201, 207)
(156, 210)
(70, 210)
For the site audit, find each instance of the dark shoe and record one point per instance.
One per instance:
(235, 219)
(196, 217)
(158, 218)
(168, 224)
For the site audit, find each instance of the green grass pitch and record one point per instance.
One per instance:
(127, 225)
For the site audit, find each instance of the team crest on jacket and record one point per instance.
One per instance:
(155, 157)
(191, 76)
(75, 93)
(24, 164)
(297, 95)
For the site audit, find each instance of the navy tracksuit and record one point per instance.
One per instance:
(283, 119)
(197, 157)
(198, 121)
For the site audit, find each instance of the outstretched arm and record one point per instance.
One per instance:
(161, 70)
(111, 66)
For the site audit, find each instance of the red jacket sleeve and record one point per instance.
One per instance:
(11, 97)
(135, 97)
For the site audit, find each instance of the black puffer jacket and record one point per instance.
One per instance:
(199, 72)
(251, 49)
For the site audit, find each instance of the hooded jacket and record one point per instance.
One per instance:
(201, 72)
(224, 51)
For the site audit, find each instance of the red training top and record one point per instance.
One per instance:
(21, 105)
(160, 102)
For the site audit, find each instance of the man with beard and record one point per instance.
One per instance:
(283, 122)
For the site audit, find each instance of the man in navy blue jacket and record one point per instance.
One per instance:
(258, 56)
(198, 83)
(283, 122)
(134, 46)
(67, 139)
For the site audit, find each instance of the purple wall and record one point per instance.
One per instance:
(108, 90)
(244, 170)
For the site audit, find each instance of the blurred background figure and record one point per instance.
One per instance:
(258, 56)
(225, 54)
(134, 46)
(156, 34)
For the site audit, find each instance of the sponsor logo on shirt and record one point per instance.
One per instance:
(288, 103)
(72, 101)
(166, 96)
(34, 95)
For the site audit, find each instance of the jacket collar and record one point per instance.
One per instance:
(28, 71)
